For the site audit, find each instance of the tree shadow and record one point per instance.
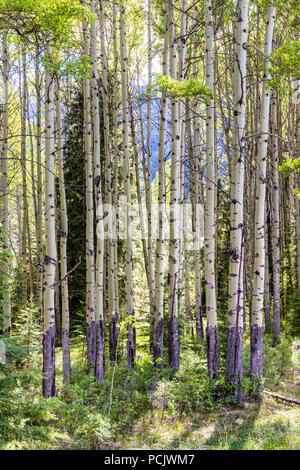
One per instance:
(235, 426)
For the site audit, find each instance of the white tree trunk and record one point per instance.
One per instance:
(50, 243)
(131, 340)
(234, 364)
(209, 214)
(259, 242)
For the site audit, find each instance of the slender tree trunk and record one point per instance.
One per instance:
(234, 360)
(99, 268)
(131, 334)
(174, 212)
(259, 264)
(90, 261)
(160, 243)
(267, 308)
(5, 188)
(39, 206)
(209, 216)
(275, 230)
(50, 245)
(65, 315)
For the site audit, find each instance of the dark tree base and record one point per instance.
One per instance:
(100, 354)
(212, 351)
(276, 339)
(113, 338)
(91, 345)
(49, 363)
(173, 343)
(131, 347)
(199, 325)
(234, 357)
(257, 351)
(234, 362)
(158, 351)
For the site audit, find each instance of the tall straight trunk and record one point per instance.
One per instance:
(259, 245)
(39, 205)
(114, 330)
(182, 51)
(174, 213)
(65, 315)
(110, 242)
(267, 309)
(24, 226)
(297, 183)
(90, 261)
(275, 226)
(131, 334)
(149, 170)
(234, 360)
(209, 215)
(50, 243)
(99, 299)
(158, 352)
(4, 187)
(197, 199)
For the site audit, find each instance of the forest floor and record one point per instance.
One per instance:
(144, 409)
(270, 425)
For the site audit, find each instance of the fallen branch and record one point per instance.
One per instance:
(280, 397)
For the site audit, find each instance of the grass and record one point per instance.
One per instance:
(152, 410)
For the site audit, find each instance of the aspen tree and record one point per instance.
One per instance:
(276, 213)
(297, 183)
(114, 330)
(209, 220)
(160, 243)
(234, 359)
(267, 309)
(4, 184)
(182, 50)
(25, 222)
(174, 200)
(90, 261)
(131, 339)
(50, 243)
(149, 166)
(198, 195)
(39, 205)
(99, 268)
(108, 191)
(259, 243)
(65, 317)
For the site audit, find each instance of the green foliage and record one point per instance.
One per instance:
(285, 63)
(77, 67)
(290, 166)
(51, 19)
(191, 390)
(175, 89)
